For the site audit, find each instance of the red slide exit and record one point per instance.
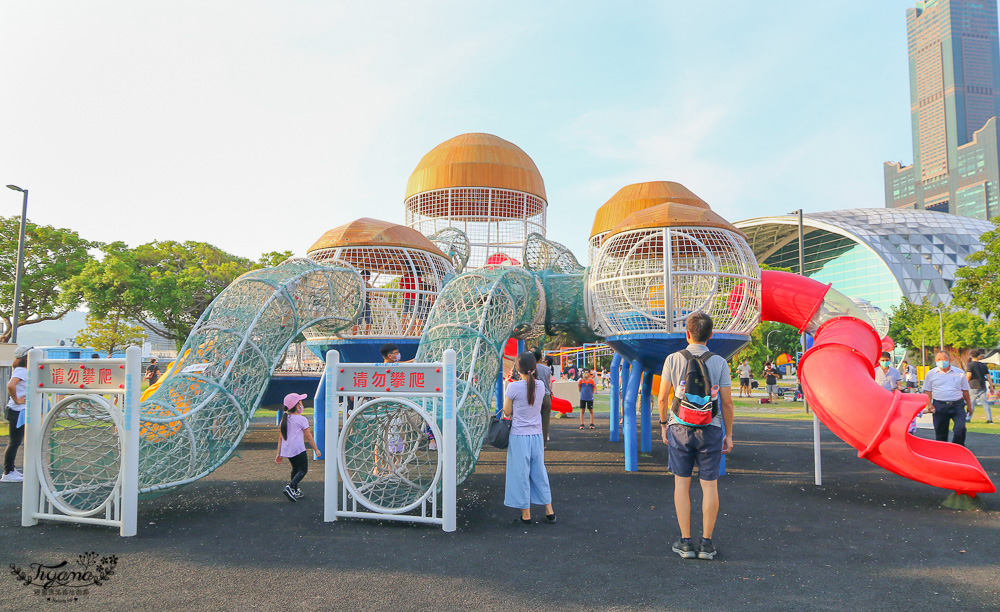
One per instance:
(838, 380)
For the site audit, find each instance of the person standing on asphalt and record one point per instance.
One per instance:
(980, 384)
(947, 390)
(527, 481)
(152, 372)
(690, 445)
(292, 443)
(771, 380)
(887, 376)
(17, 390)
(544, 374)
(909, 374)
(587, 387)
(744, 371)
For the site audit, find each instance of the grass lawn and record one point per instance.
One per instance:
(744, 408)
(795, 411)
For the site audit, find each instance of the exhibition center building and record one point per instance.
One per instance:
(878, 254)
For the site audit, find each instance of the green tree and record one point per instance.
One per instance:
(914, 325)
(978, 287)
(163, 285)
(109, 333)
(52, 256)
(767, 341)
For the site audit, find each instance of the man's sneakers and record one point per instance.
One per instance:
(684, 548)
(290, 493)
(687, 550)
(14, 476)
(298, 493)
(706, 550)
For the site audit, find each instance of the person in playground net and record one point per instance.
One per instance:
(291, 443)
(527, 481)
(587, 388)
(701, 402)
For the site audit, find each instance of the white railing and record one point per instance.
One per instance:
(365, 471)
(90, 407)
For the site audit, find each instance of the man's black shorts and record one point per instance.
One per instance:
(585, 404)
(695, 445)
(744, 382)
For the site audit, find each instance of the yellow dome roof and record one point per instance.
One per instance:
(376, 233)
(673, 214)
(476, 160)
(639, 196)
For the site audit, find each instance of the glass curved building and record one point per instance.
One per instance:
(879, 254)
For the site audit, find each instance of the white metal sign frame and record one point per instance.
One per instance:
(113, 385)
(437, 382)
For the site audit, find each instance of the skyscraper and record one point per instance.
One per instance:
(954, 101)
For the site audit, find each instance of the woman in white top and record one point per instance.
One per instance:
(17, 388)
(527, 481)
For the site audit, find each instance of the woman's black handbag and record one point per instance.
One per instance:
(498, 435)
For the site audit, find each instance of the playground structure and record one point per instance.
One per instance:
(403, 272)
(657, 254)
(484, 186)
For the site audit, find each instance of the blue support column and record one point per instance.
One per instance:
(499, 392)
(319, 415)
(645, 410)
(631, 395)
(615, 374)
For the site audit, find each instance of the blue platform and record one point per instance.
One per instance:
(366, 350)
(652, 349)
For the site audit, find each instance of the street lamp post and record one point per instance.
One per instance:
(767, 342)
(20, 263)
(941, 326)
(817, 460)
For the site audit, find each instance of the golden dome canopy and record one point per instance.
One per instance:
(673, 214)
(377, 233)
(476, 160)
(639, 196)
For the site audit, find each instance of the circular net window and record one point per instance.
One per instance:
(81, 455)
(389, 460)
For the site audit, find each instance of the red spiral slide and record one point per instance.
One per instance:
(838, 379)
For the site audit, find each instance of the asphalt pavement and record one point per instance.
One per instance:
(865, 540)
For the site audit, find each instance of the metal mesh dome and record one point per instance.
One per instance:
(650, 279)
(484, 186)
(879, 319)
(403, 273)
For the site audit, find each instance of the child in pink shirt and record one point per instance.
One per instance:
(291, 443)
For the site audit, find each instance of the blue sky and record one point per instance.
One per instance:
(256, 126)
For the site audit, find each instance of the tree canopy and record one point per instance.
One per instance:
(52, 256)
(109, 333)
(978, 287)
(165, 285)
(914, 325)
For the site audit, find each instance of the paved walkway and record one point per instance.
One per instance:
(866, 540)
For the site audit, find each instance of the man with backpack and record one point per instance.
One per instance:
(699, 389)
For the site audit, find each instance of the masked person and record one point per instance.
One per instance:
(887, 376)
(947, 390)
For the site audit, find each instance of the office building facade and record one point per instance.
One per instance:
(878, 254)
(954, 59)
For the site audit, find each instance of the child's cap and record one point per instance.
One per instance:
(294, 398)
